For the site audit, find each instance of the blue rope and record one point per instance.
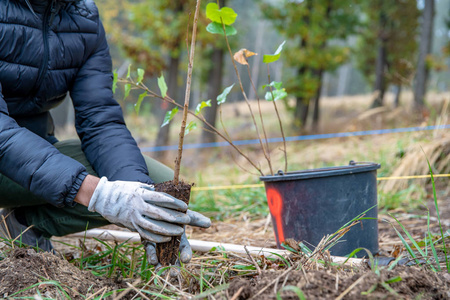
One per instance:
(297, 138)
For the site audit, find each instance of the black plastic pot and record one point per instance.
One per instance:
(310, 204)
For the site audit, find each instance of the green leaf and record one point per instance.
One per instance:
(277, 94)
(223, 97)
(269, 58)
(447, 262)
(413, 241)
(433, 248)
(169, 116)
(244, 267)
(129, 71)
(288, 248)
(137, 106)
(127, 89)
(392, 280)
(141, 74)
(408, 248)
(225, 15)
(201, 106)
(216, 28)
(115, 79)
(162, 86)
(191, 126)
(277, 85)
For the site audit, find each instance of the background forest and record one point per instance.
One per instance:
(366, 81)
(333, 49)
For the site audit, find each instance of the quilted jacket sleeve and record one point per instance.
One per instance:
(35, 164)
(106, 141)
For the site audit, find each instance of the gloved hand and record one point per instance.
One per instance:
(197, 220)
(155, 216)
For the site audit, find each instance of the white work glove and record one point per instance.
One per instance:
(197, 220)
(155, 216)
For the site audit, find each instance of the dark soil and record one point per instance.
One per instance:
(24, 268)
(168, 252)
(414, 284)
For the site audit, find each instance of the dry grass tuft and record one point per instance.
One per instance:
(414, 163)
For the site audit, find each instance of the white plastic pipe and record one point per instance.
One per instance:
(197, 245)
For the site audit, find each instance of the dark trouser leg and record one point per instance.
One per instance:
(53, 221)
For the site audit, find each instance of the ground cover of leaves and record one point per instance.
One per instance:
(25, 267)
(415, 283)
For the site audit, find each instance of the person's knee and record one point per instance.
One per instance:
(158, 172)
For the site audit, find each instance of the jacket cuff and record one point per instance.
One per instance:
(74, 190)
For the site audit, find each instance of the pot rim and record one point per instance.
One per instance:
(352, 168)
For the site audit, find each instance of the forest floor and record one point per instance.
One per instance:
(94, 269)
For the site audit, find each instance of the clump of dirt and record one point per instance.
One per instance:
(168, 252)
(401, 283)
(24, 268)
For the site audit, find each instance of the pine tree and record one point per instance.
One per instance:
(387, 46)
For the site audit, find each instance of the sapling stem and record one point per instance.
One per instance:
(260, 112)
(246, 99)
(279, 121)
(223, 125)
(187, 95)
(211, 127)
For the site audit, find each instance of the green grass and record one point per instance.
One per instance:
(410, 198)
(425, 252)
(210, 273)
(228, 204)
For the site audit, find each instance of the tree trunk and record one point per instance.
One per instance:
(426, 37)
(319, 75)
(380, 84)
(398, 92)
(316, 112)
(302, 104)
(214, 89)
(172, 89)
(301, 112)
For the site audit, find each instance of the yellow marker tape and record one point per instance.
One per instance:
(227, 187)
(413, 177)
(260, 185)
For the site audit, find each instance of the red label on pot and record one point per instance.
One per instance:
(276, 207)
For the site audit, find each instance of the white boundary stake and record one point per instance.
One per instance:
(197, 245)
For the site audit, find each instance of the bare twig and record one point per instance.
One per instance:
(164, 286)
(259, 109)
(238, 293)
(246, 99)
(123, 293)
(279, 121)
(202, 119)
(187, 95)
(223, 125)
(6, 227)
(240, 166)
(341, 296)
(227, 139)
(272, 282)
(253, 260)
(102, 290)
(137, 291)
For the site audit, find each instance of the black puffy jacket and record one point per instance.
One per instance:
(49, 48)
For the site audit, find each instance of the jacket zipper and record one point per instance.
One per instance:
(46, 27)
